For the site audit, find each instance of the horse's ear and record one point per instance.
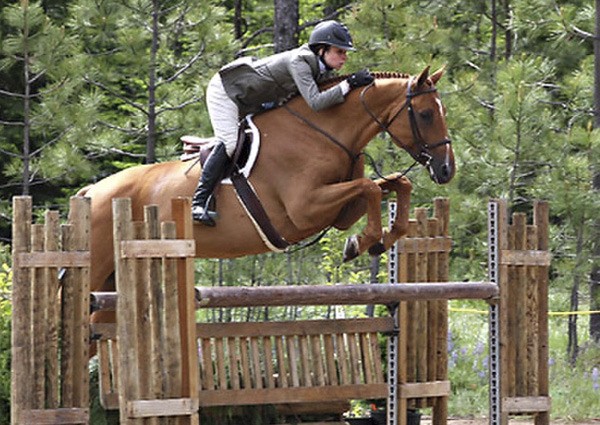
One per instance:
(435, 77)
(422, 79)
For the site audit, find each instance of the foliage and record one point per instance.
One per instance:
(518, 96)
(5, 323)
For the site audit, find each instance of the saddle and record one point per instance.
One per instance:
(245, 154)
(243, 159)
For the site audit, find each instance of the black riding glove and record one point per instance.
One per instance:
(360, 78)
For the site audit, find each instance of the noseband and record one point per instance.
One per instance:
(424, 155)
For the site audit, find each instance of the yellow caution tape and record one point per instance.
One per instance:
(550, 313)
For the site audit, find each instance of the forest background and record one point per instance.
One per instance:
(89, 87)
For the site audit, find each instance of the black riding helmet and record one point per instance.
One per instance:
(331, 33)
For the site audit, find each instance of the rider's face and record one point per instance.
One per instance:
(335, 57)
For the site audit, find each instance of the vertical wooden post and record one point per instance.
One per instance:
(441, 212)
(52, 243)
(181, 210)
(79, 217)
(127, 314)
(21, 373)
(541, 221)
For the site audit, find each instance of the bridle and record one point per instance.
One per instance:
(424, 156)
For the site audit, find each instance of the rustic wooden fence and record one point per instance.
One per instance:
(50, 335)
(171, 366)
(520, 329)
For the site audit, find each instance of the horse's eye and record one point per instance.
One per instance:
(426, 115)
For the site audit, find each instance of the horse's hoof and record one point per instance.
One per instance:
(351, 249)
(377, 249)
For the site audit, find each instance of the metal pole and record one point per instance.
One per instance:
(494, 317)
(392, 342)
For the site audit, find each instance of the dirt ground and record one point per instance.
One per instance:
(484, 421)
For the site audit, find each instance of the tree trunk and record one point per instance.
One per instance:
(507, 31)
(238, 27)
(493, 41)
(285, 34)
(151, 138)
(595, 274)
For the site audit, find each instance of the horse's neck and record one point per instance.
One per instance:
(349, 123)
(358, 126)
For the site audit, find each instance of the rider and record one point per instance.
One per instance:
(248, 86)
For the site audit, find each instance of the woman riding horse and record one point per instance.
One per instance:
(248, 86)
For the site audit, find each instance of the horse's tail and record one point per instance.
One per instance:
(84, 190)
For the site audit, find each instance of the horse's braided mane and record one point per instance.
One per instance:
(376, 75)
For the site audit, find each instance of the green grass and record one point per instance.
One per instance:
(575, 390)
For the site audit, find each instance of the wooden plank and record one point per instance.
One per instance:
(341, 353)
(522, 257)
(234, 360)
(181, 213)
(126, 310)
(21, 367)
(67, 342)
(158, 388)
(208, 380)
(55, 416)
(305, 375)
(220, 363)
(105, 382)
(432, 308)
(422, 325)
(317, 360)
(38, 330)
(415, 244)
(52, 243)
(526, 404)
(257, 372)
(331, 373)
(167, 407)
(294, 364)
(268, 362)
(80, 219)
(168, 248)
(304, 327)
(531, 312)
(424, 389)
(520, 308)
(282, 370)
(377, 361)
(355, 361)
(245, 357)
(541, 221)
(143, 329)
(292, 395)
(169, 330)
(52, 259)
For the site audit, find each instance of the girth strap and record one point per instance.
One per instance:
(249, 200)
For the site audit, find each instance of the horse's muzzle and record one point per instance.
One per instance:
(441, 169)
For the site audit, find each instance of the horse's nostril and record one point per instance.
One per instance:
(445, 172)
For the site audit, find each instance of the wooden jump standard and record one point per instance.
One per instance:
(290, 363)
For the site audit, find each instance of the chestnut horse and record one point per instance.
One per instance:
(308, 174)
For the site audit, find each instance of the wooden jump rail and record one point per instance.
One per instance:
(280, 296)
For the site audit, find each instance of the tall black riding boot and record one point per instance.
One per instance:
(212, 172)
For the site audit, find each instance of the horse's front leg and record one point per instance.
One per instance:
(325, 204)
(402, 186)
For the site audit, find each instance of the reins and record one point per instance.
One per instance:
(414, 126)
(353, 157)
